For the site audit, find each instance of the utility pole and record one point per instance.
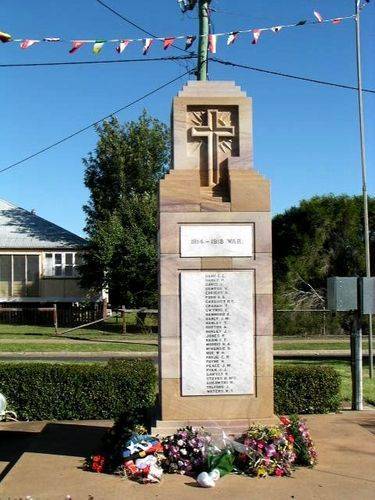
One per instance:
(364, 173)
(204, 29)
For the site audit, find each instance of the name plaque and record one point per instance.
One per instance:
(220, 240)
(217, 332)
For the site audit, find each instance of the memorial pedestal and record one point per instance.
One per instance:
(215, 272)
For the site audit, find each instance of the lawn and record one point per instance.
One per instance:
(74, 347)
(311, 346)
(343, 367)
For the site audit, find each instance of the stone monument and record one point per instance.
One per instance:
(215, 274)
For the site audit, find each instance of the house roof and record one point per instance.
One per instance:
(20, 228)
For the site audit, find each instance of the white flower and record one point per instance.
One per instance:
(180, 442)
(183, 451)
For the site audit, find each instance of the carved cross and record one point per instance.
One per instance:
(213, 131)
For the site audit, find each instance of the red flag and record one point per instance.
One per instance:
(318, 16)
(122, 45)
(337, 21)
(76, 44)
(232, 37)
(168, 42)
(189, 41)
(25, 44)
(147, 42)
(256, 35)
(212, 44)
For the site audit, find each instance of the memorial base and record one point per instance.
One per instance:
(230, 427)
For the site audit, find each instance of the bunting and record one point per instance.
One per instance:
(169, 41)
(122, 46)
(25, 44)
(76, 44)
(212, 43)
(5, 37)
(256, 35)
(147, 45)
(232, 37)
(97, 47)
(189, 41)
(318, 16)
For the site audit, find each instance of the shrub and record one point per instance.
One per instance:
(306, 389)
(38, 391)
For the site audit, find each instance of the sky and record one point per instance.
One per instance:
(306, 138)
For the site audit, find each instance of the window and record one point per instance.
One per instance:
(19, 275)
(60, 264)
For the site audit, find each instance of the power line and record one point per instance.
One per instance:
(77, 132)
(105, 61)
(286, 75)
(135, 25)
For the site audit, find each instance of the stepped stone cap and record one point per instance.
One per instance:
(212, 119)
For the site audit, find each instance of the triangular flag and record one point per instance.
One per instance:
(212, 44)
(232, 37)
(122, 45)
(25, 44)
(97, 47)
(301, 23)
(318, 16)
(167, 42)
(52, 39)
(76, 44)
(5, 37)
(189, 41)
(147, 42)
(256, 34)
(337, 21)
(276, 29)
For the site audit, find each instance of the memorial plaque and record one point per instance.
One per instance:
(221, 240)
(217, 330)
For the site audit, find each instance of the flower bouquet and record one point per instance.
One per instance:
(264, 451)
(186, 451)
(297, 431)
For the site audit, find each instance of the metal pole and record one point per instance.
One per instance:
(356, 355)
(203, 39)
(364, 173)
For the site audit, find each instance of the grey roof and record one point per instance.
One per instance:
(20, 228)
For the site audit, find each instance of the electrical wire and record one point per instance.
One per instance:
(104, 61)
(77, 132)
(287, 75)
(136, 25)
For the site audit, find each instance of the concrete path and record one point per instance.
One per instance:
(46, 464)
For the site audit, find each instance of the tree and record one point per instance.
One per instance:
(122, 175)
(322, 237)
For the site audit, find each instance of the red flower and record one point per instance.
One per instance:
(279, 472)
(285, 420)
(290, 438)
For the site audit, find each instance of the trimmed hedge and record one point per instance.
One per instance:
(302, 389)
(41, 391)
(127, 388)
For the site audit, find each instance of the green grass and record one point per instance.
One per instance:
(311, 346)
(343, 367)
(74, 347)
(108, 331)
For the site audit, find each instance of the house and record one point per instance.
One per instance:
(38, 259)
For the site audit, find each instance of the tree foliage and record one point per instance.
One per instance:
(122, 175)
(321, 237)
